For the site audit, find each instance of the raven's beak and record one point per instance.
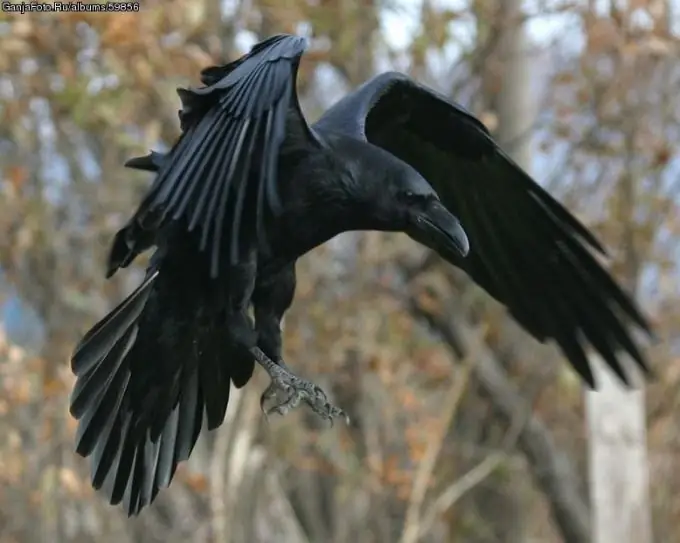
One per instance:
(439, 230)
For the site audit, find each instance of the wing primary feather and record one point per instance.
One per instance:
(181, 174)
(89, 387)
(170, 159)
(234, 248)
(166, 460)
(562, 215)
(555, 207)
(108, 484)
(565, 302)
(555, 309)
(221, 184)
(184, 192)
(589, 327)
(237, 104)
(182, 157)
(234, 159)
(238, 211)
(150, 163)
(622, 300)
(105, 450)
(276, 137)
(599, 274)
(272, 85)
(214, 379)
(215, 182)
(109, 330)
(535, 282)
(591, 292)
(617, 328)
(124, 462)
(187, 419)
(259, 81)
(137, 476)
(496, 254)
(95, 419)
(212, 183)
(261, 184)
(152, 453)
(219, 141)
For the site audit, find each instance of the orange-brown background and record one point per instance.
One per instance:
(436, 444)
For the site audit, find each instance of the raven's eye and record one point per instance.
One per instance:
(413, 197)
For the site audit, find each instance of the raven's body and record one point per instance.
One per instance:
(199, 306)
(247, 190)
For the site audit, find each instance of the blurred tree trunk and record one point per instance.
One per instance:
(515, 101)
(619, 477)
(616, 416)
(356, 65)
(510, 95)
(618, 460)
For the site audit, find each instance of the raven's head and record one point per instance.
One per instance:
(423, 216)
(395, 197)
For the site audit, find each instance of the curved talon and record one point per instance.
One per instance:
(269, 392)
(280, 409)
(297, 390)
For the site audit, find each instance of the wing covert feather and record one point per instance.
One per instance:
(220, 176)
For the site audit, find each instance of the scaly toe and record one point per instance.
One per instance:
(290, 403)
(298, 390)
(323, 408)
(269, 392)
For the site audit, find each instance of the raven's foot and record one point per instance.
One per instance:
(295, 390)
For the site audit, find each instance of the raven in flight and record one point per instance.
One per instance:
(248, 188)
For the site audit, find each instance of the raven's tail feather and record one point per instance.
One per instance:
(98, 358)
(138, 418)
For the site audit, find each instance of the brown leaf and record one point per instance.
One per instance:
(69, 481)
(197, 482)
(662, 156)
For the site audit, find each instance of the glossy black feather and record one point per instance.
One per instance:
(140, 393)
(208, 172)
(250, 187)
(149, 371)
(527, 250)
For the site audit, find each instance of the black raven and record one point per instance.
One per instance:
(247, 189)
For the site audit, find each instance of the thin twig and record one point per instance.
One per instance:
(474, 476)
(424, 475)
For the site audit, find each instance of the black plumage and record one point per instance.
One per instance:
(250, 187)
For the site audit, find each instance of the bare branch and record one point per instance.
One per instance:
(550, 468)
(412, 525)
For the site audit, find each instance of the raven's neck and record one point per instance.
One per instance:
(307, 224)
(316, 204)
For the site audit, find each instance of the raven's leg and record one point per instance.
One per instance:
(297, 390)
(271, 299)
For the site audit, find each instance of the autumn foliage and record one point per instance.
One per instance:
(429, 452)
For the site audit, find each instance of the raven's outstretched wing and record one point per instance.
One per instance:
(220, 176)
(526, 250)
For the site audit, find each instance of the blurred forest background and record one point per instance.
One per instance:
(463, 428)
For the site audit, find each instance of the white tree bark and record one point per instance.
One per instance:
(516, 114)
(619, 478)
